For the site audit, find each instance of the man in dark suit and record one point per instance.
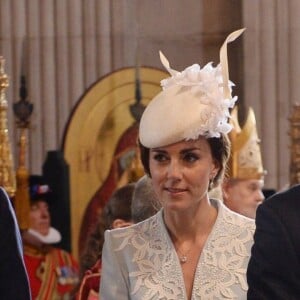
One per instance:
(274, 267)
(13, 276)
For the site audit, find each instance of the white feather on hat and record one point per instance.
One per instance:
(193, 102)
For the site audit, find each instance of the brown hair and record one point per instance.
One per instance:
(220, 150)
(117, 207)
(144, 200)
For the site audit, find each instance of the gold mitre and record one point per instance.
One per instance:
(245, 161)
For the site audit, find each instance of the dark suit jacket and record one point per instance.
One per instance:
(274, 267)
(13, 276)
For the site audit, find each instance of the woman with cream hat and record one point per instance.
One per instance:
(194, 247)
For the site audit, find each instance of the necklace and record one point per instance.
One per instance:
(183, 258)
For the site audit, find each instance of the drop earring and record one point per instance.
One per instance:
(211, 183)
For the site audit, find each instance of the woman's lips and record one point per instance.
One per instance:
(174, 190)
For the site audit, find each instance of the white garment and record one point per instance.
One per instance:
(140, 261)
(52, 237)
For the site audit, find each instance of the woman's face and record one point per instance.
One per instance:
(181, 172)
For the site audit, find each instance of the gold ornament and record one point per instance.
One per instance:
(22, 110)
(7, 173)
(294, 134)
(245, 161)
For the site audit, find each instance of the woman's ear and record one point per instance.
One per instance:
(119, 223)
(215, 170)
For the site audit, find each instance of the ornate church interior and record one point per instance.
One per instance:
(76, 75)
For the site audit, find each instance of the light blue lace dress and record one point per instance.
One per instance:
(140, 262)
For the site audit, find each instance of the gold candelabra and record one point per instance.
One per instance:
(295, 145)
(7, 173)
(23, 110)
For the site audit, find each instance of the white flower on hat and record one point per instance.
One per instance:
(193, 102)
(207, 85)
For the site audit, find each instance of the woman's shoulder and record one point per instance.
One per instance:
(141, 228)
(232, 231)
(233, 219)
(137, 236)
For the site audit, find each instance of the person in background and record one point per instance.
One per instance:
(116, 214)
(242, 187)
(14, 282)
(52, 272)
(274, 266)
(194, 247)
(144, 202)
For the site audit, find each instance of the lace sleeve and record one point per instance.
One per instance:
(114, 284)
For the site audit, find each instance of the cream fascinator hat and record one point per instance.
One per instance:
(193, 102)
(245, 160)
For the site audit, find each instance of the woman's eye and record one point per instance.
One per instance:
(160, 157)
(190, 157)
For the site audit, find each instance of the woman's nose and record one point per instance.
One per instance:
(174, 169)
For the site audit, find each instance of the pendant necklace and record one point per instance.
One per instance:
(183, 258)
